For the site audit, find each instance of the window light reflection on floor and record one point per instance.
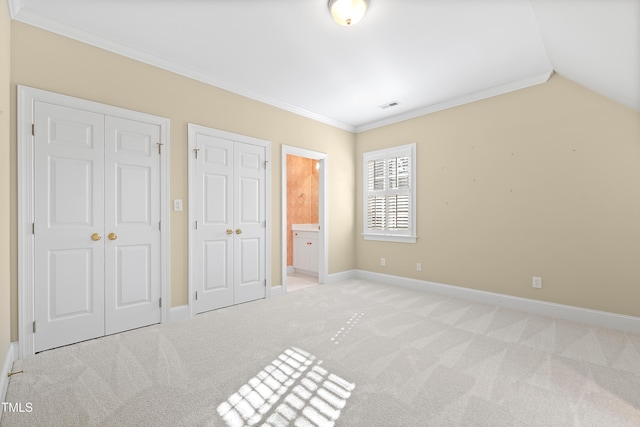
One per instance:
(346, 329)
(309, 395)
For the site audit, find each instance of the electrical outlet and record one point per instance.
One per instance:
(537, 282)
(419, 266)
(177, 205)
(383, 262)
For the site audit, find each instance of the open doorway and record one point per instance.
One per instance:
(304, 230)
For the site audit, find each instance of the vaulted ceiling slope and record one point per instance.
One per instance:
(424, 55)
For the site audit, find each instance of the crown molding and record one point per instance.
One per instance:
(14, 7)
(456, 102)
(25, 15)
(21, 13)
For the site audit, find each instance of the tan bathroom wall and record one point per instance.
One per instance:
(302, 196)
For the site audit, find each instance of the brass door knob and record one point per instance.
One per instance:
(95, 237)
(238, 231)
(229, 231)
(112, 236)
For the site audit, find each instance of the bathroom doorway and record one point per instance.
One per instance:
(304, 235)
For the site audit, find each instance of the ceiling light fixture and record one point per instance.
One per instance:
(348, 12)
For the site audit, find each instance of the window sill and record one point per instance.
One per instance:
(390, 238)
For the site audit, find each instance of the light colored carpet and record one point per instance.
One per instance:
(350, 354)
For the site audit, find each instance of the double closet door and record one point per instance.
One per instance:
(229, 248)
(96, 225)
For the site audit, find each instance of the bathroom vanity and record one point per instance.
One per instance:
(305, 248)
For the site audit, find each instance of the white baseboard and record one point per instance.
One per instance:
(343, 275)
(276, 291)
(290, 269)
(6, 368)
(578, 314)
(180, 312)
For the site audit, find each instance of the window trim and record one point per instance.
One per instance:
(410, 236)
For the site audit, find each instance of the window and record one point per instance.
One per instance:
(389, 194)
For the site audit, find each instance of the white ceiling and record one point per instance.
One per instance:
(426, 55)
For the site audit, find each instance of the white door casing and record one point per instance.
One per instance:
(229, 188)
(63, 162)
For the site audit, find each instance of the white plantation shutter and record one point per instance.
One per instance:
(376, 174)
(376, 213)
(389, 194)
(398, 212)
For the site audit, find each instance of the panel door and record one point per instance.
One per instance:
(68, 211)
(132, 224)
(249, 222)
(214, 217)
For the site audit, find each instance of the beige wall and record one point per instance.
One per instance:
(544, 181)
(47, 61)
(5, 54)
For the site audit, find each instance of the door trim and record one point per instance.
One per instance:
(323, 217)
(27, 96)
(193, 129)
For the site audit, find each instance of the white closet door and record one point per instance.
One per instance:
(214, 234)
(250, 222)
(96, 232)
(69, 211)
(132, 224)
(230, 235)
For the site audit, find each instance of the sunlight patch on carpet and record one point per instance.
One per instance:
(309, 395)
